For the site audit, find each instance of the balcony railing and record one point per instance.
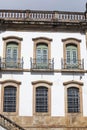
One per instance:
(9, 124)
(42, 64)
(32, 15)
(77, 64)
(11, 63)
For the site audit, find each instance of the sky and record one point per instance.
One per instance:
(49, 5)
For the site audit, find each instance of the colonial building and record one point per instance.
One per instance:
(43, 70)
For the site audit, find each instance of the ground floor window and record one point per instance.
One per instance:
(41, 99)
(73, 100)
(9, 104)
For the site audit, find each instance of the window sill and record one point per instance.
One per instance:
(42, 114)
(74, 114)
(10, 113)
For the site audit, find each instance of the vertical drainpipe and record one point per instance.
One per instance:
(86, 21)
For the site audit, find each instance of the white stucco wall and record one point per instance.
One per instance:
(57, 89)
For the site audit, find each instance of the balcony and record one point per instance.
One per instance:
(11, 63)
(77, 64)
(42, 64)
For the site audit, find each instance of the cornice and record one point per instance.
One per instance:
(51, 21)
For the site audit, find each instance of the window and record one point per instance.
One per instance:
(9, 99)
(71, 58)
(73, 97)
(41, 99)
(73, 100)
(42, 54)
(12, 53)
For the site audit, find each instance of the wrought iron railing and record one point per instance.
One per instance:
(9, 124)
(72, 64)
(11, 63)
(42, 64)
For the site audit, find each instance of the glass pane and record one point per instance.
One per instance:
(71, 52)
(8, 53)
(42, 50)
(45, 56)
(9, 99)
(74, 54)
(71, 56)
(12, 50)
(68, 56)
(42, 56)
(73, 100)
(14, 53)
(11, 55)
(41, 99)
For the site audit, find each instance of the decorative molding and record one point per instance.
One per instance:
(10, 81)
(42, 38)
(42, 81)
(69, 39)
(12, 37)
(73, 82)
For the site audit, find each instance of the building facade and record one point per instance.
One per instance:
(43, 70)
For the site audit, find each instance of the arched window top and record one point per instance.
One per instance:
(41, 88)
(42, 44)
(12, 43)
(73, 88)
(42, 40)
(71, 41)
(10, 86)
(69, 45)
(12, 40)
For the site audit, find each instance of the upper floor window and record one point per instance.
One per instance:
(42, 54)
(72, 59)
(71, 56)
(12, 52)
